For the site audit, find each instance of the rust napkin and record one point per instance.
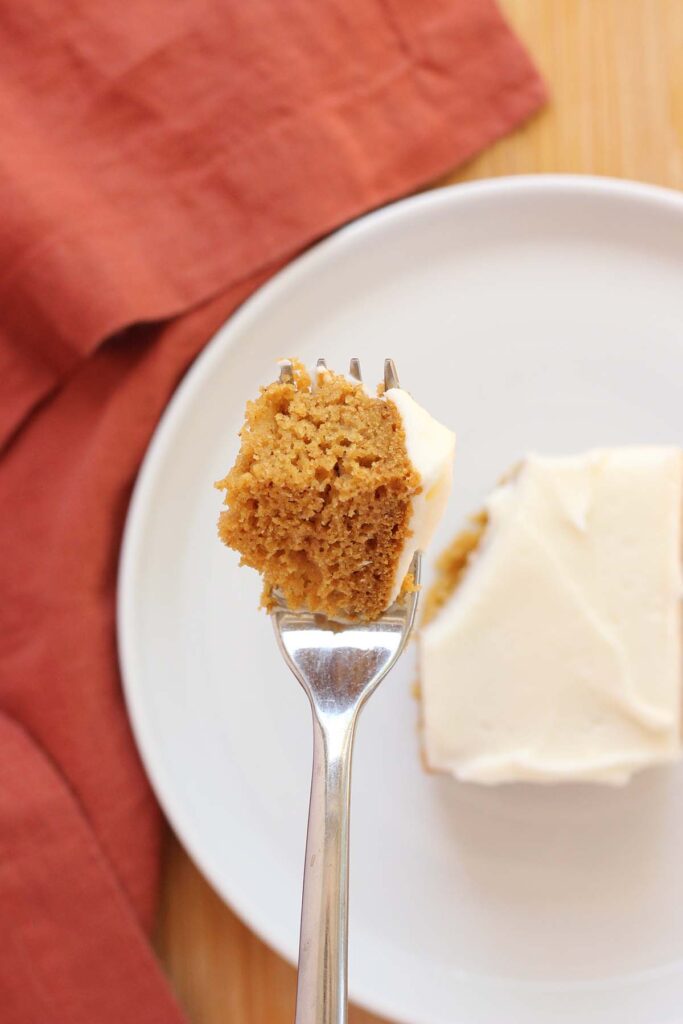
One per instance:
(157, 162)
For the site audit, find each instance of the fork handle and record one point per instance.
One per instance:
(321, 996)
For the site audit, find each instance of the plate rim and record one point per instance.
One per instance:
(223, 338)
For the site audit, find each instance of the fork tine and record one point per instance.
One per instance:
(286, 370)
(320, 368)
(390, 375)
(354, 370)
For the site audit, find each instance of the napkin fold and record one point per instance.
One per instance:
(157, 163)
(71, 949)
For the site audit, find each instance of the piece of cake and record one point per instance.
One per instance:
(334, 490)
(551, 648)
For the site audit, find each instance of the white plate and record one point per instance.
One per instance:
(528, 313)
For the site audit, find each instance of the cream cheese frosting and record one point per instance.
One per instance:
(558, 656)
(431, 450)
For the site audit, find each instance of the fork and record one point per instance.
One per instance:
(339, 665)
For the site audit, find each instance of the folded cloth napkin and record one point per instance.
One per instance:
(158, 161)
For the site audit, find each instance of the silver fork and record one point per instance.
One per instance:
(339, 667)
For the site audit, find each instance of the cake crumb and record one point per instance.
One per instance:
(451, 565)
(319, 499)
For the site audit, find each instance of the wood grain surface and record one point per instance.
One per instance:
(615, 71)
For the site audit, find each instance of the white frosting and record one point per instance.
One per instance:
(558, 657)
(431, 449)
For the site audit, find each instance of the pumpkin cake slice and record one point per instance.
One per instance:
(551, 646)
(335, 489)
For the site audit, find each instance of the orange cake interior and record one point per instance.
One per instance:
(319, 498)
(451, 565)
(454, 560)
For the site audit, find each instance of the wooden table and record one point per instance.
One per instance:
(615, 70)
